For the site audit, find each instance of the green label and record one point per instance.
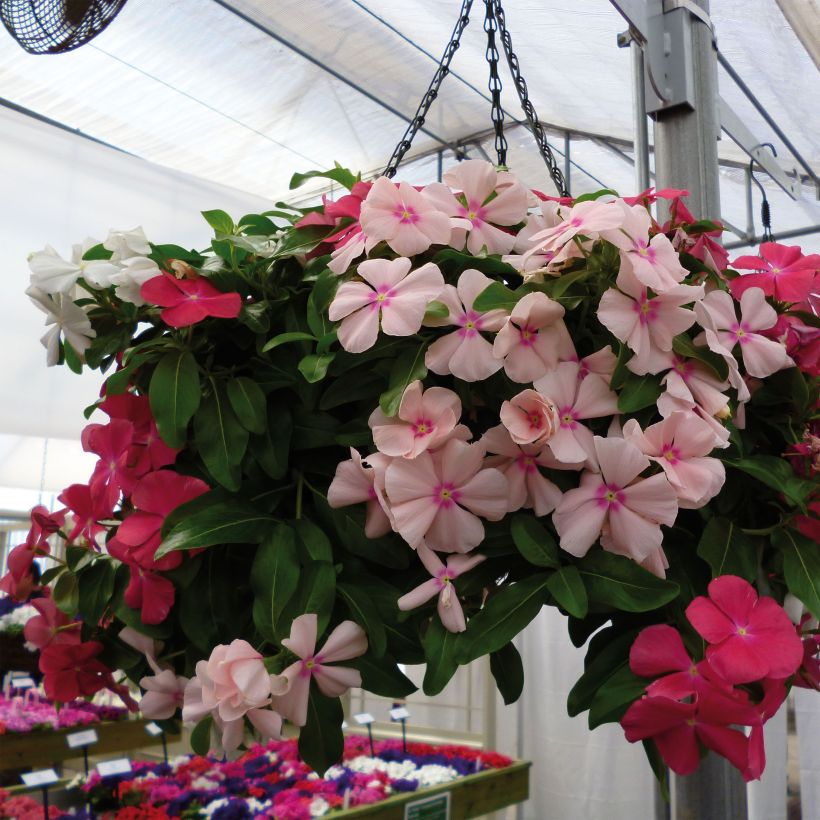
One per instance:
(430, 808)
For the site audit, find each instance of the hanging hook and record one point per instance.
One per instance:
(765, 208)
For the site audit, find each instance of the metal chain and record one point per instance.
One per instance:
(521, 87)
(432, 92)
(494, 84)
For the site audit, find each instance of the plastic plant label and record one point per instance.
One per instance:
(364, 718)
(84, 738)
(399, 713)
(22, 683)
(430, 808)
(122, 765)
(41, 777)
(153, 729)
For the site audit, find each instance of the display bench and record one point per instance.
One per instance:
(471, 796)
(43, 747)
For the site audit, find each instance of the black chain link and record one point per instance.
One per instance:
(432, 92)
(521, 87)
(494, 84)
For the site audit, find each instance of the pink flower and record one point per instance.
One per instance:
(624, 510)
(441, 584)
(18, 582)
(527, 486)
(148, 591)
(465, 353)
(112, 443)
(538, 262)
(188, 301)
(407, 220)
(781, 271)
(164, 694)
(488, 198)
(438, 498)
(681, 444)
(575, 399)
(650, 195)
(751, 638)
(602, 362)
(88, 509)
(50, 625)
(345, 642)
(355, 483)
(802, 342)
(425, 420)
(529, 417)
(761, 356)
(647, 324)
(533, 339)
(72, 670)
(690, 383)
(233, 683)
(389, 293)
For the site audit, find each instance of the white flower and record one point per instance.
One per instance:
(319, 807)
(67, 318)
(15, 620)
(51, 274)
(125, 244)
(214, 806)
(203, 784)
(130, 278)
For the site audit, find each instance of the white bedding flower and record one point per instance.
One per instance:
(15, 620)
(125, 244)
(131, 276)
(52, 274)
(319, 807)
(68, 319)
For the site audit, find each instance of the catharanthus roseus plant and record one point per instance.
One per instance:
(389, 429)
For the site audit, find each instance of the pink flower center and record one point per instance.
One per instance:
(525, 463)
(610, 495)
(470, 324)
(567, 418)
(406, 215)
(445, 495)
(670, 453)
(423, 427)
(740, 332)
(474, 212)
(380, 298)
(684, 368)
(647, 309)
(645, 251)
(445, 577)
(527, 335)
(310, 666)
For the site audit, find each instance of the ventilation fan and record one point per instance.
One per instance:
(55, 26)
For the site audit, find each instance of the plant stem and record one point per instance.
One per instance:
(300, 485)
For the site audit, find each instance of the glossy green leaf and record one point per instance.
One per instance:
(276, 569)
(441, 656)
(338, 174)
(436, 310)
(508, 670)
(287, 338)
(219, 221)
(727, 550)
(174, 395)
(220, 439)
(684, 346)
(317, 587)
(639, 392)
(314, 540)
(66, 593)
(778, 474)
(407, 368)
(248, 403)
(613, 698)
(314, 366)
(272, 448)
(453, 262)
(363, 611)
(321, 741)
(201, 736)
(496, 296)
(569, 592)
(534, 542)
(616, 581)
(801, 566)
(95, 590)
(383, 677)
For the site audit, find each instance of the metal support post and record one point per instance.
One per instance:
(709, 793)
(750, 214)
(567, 162)
(641, 138)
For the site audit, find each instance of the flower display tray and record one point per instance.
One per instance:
(472, 796)
(44, 747)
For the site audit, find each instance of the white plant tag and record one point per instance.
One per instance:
(79, 739)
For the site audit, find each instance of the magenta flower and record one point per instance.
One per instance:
(761, 356)
(750, 638)
(575, 399)
(465, 353)
(438, 498)
(355, 483)
(625, 511)
(441, 584)
(533, 339)
(390, 293)
(87, 509)
(404, 218)
(50, 625)
(188, 301)
(647, 324)
(425, 420)
(113, 473)
(780, 271)
(488, 198)
(681, 444)
(345, 642)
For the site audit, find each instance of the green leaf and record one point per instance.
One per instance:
(249, 403)
(533, 541)
(638, 392)
(272, 449)
(226, 522)
(454, 262)
(383, 677)
(201, 736)
(801, 566)
(595, 195)
(277, 563)
(96, 588)
(616, 581)
(97, 252)
(338, 174)
(321, 741)
(257, 225)
(408, 367)
(363, 611)
(317, 584)
(220, 439)
(66, 593)
(568, 590)
(440, 653)
(778, 474)
(496, 296)
(313, 539)
(174, 395)
(684, 346)
(658, 765)
(219, 221)
(314, 366)
(436, 310)
(621, 372)
(504, 615)
(286, 338)
(72, 359)
(610, 701)
(508, 671)
(727, 550)
(556, 288)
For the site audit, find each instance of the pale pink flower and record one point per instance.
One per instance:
(536, 264)
(438, 497)
(164, 693)
(575, 399)
(647, 324)
(681, 445)
(692, 383)
(345, 642)
(478, 180)
(355, 483)
(602, 362)
(654, 262)
(441, 584)
(390, 292)
(465, 353)
(656, 563)
(401, 216)
(529, 417)
(426, 418)
(761, 356)
(625, 511)
(533, 339)
(527, 486)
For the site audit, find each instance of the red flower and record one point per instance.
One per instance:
(18, 582)
(774, 693)
(781, 271)
(188, 301)
(87, 508)
(112, 443)
(72, 670)
(149, 592)
(50, 626)
(751, 638)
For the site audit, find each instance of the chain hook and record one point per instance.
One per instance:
(765, 208)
